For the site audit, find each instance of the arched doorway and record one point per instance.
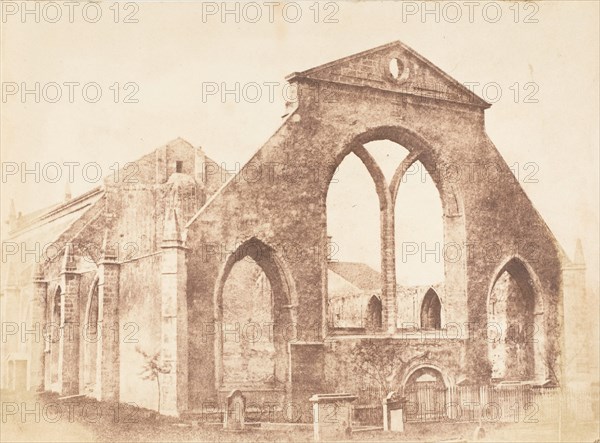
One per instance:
(425, 392)
(248, 346)
(254, 309)
(515, 325)
(431, 311)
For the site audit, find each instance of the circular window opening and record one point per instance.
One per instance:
(395, 68)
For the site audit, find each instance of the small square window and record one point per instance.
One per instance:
(178, 166)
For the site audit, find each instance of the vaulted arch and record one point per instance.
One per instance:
(419, 149)
(253, 276)
(515, 312)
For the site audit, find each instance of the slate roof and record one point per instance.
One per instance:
(358, 274)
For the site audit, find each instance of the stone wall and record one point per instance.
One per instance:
(139, 328)
(370, 366)
(165, 297)
(280, 197)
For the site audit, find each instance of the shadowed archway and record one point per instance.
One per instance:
(431, 309)
(515, 324)
(374, 314)
(254, 313)
(425, 391)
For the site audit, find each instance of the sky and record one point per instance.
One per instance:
(155, 64)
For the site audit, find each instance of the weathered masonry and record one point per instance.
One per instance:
(227, 278)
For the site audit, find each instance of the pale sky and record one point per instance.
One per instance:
(173, 50)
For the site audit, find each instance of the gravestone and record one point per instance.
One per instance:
(393, 416)
(332, 416)
(479, 433)
(235, 412)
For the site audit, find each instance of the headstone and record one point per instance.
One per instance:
(236, 411)
(332, 416)
(386, 412)
(393, 415)
(479, 433)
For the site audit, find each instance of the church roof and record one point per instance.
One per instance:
(37, 236)
(50, 221)
(358, 274)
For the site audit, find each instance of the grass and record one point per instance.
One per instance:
(45, 418)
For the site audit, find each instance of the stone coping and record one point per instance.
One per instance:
(250, 389)
(332, 398)
(407, 335)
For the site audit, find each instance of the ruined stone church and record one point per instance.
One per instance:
(227, 280)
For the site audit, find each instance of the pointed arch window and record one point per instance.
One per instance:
(374, 314)
(513, 303)
(403, 227)
(431, 310)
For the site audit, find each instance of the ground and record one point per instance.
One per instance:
(45, 418)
